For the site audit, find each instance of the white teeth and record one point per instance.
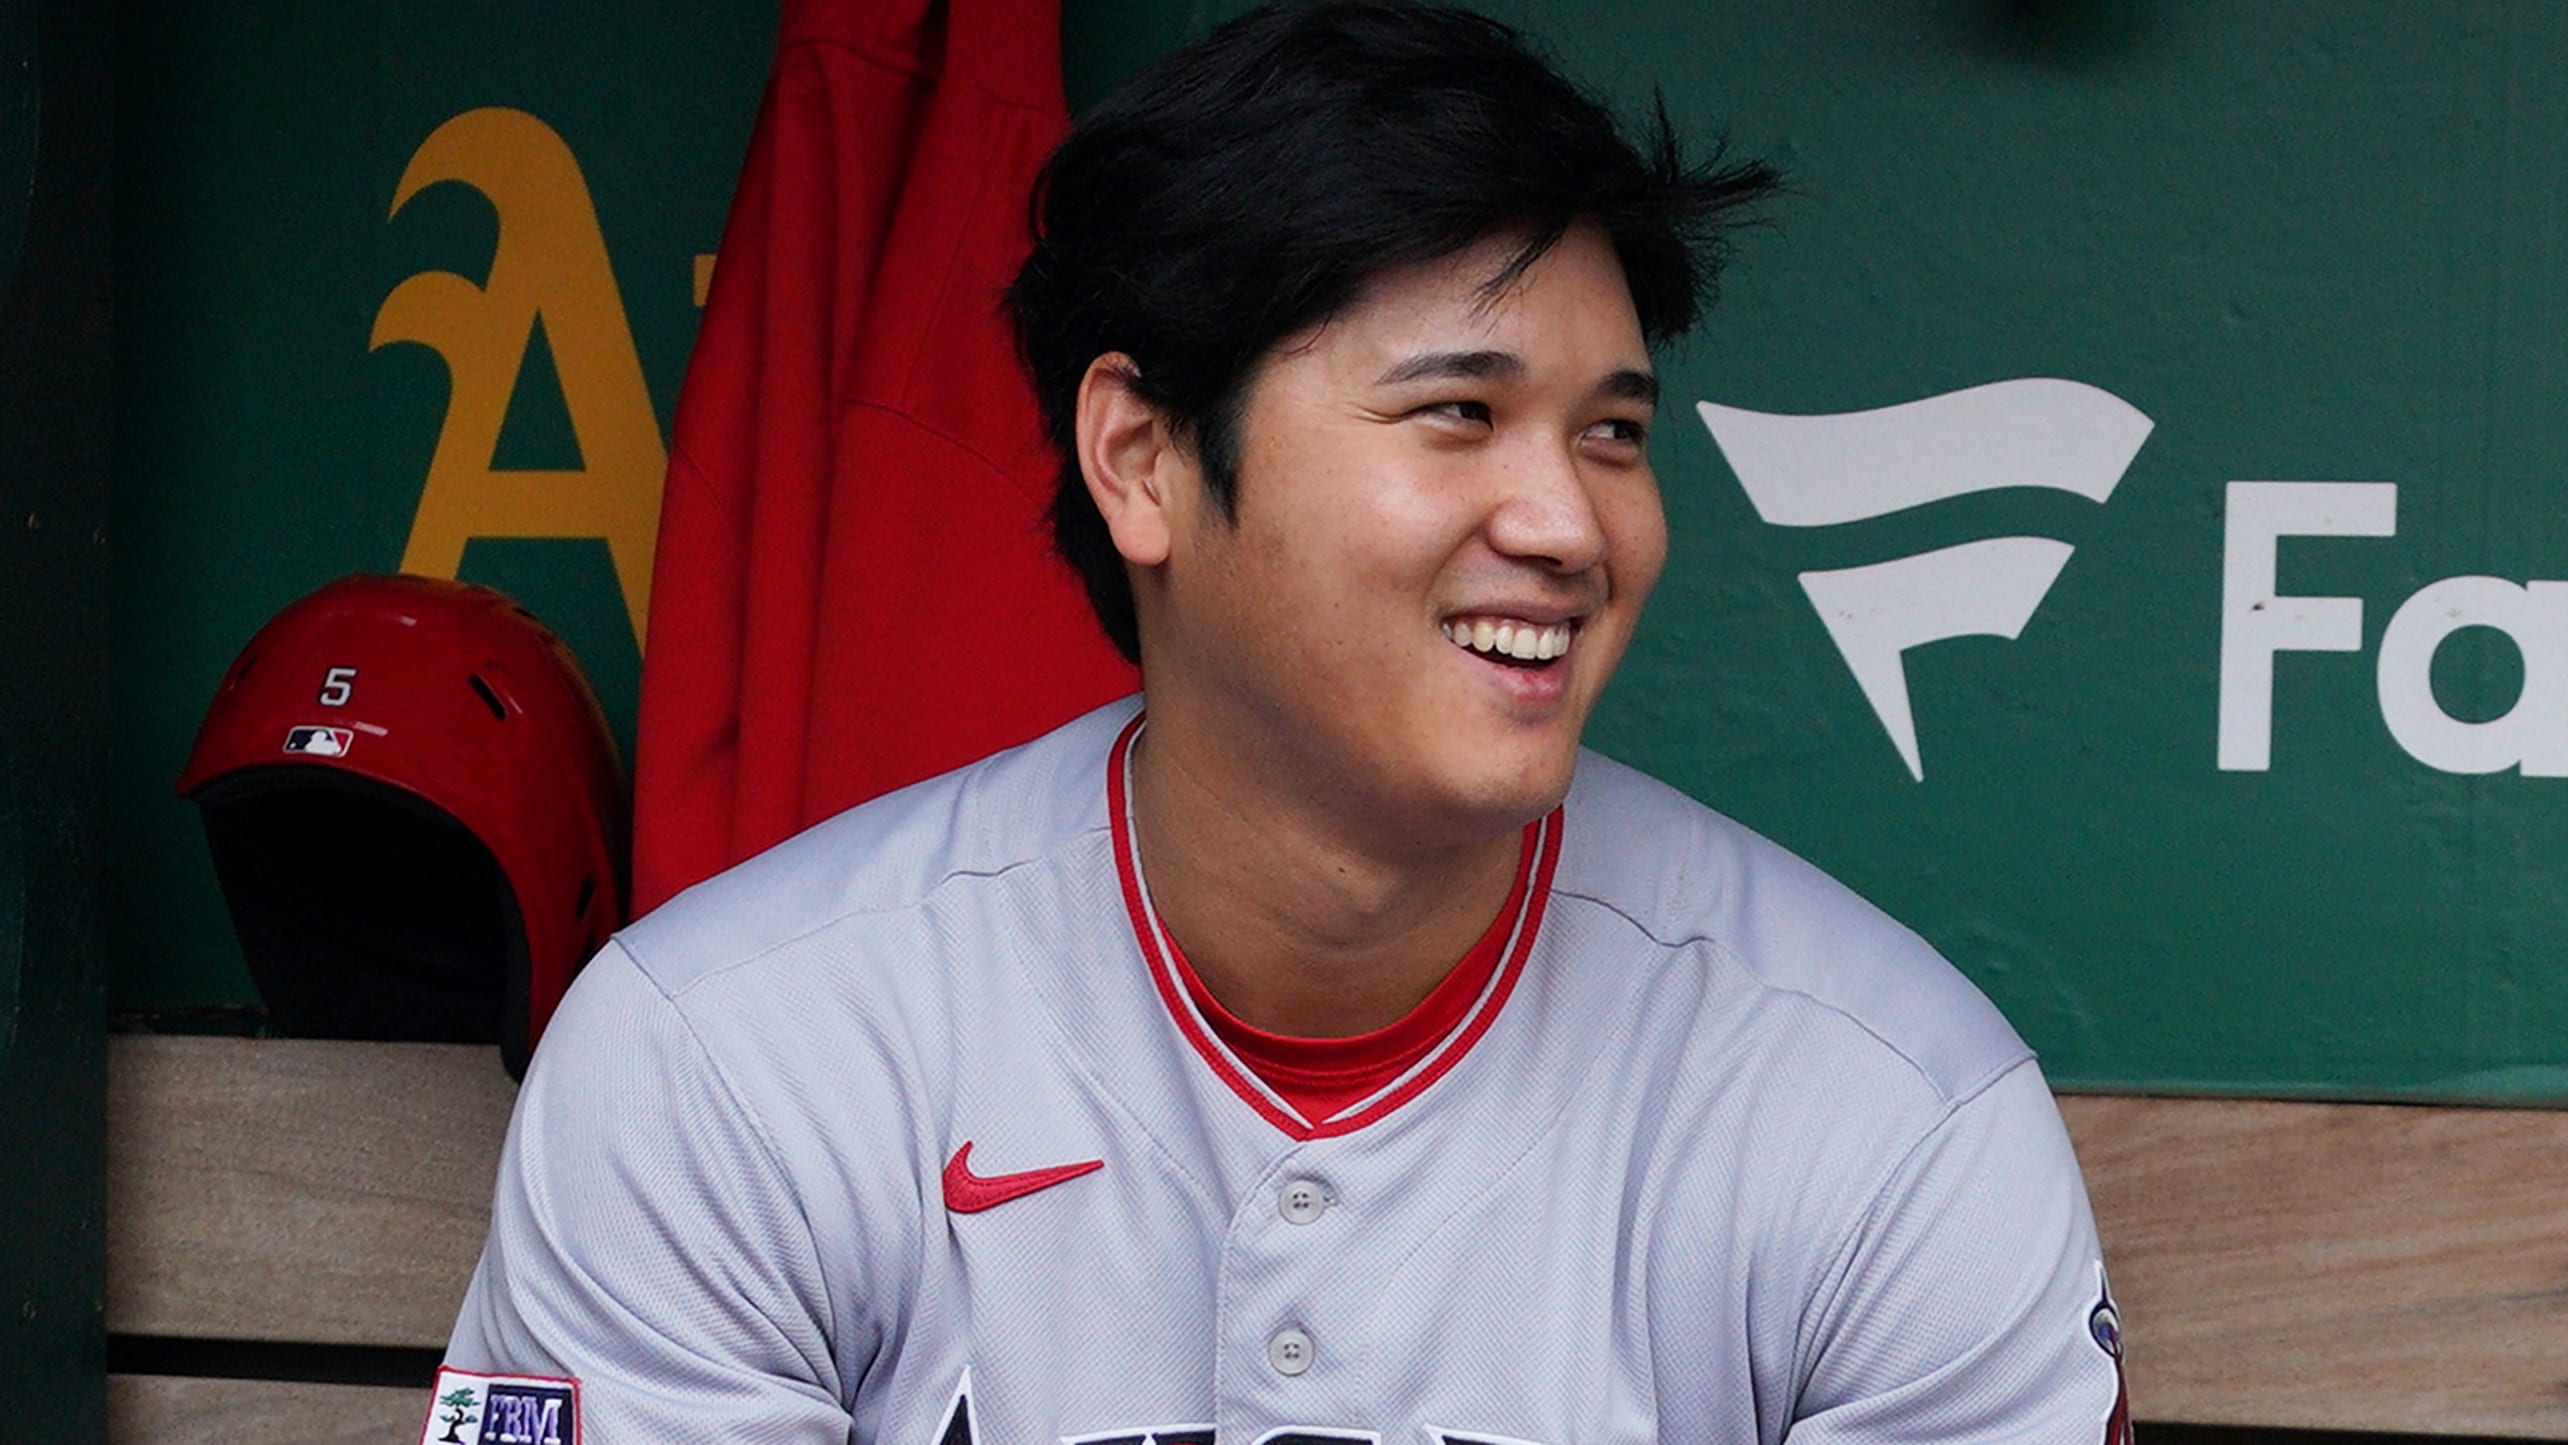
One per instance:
(1524, 641)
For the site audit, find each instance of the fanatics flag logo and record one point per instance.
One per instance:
(320, 742)
(470, 1409)
(2044, 433)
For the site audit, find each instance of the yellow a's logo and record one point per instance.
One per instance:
(550, 262)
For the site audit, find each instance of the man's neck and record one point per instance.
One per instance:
(1295, 920)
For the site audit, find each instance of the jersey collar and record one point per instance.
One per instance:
(1515, 931)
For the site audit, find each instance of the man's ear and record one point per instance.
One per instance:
(1133, 463)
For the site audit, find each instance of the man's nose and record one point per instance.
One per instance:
(1546, 511)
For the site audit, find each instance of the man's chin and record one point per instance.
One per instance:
(1503, 807)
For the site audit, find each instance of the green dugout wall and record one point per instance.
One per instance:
(54, 735)
(2182, 656)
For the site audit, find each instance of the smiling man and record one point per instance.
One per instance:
(1320, 1049)
(1369, 669)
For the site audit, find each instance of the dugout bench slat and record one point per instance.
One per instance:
(155, 1410)
(2337, 1266)
(297, 1189)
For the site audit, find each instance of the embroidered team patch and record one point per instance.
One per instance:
(470, 1409)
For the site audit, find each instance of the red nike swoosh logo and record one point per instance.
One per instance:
(970, 1193)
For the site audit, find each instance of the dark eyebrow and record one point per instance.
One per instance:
(1624, 382)
(1473, 365)
(1631, 385)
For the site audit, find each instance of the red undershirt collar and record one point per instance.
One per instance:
(1315, 1088)
(1319, 1077)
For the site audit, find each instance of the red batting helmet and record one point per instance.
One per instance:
(416, 812)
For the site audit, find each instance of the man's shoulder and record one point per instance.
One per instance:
(1691, 878)
(887, 856)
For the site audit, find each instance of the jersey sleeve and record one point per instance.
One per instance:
(644, 1242)
(1971, 1304)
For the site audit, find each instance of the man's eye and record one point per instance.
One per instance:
(1622, 430)
(1475, 412)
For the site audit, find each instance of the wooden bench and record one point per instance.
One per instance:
(289, 1192)
(2328, 1266)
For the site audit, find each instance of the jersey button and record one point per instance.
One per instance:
(1289, 1352)
(1302, 1201)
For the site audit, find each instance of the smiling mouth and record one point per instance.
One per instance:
(1529, 645)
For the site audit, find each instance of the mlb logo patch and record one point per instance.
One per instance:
(470, 1409)
(320, 742)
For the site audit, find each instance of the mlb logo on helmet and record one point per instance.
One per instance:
(320, 742)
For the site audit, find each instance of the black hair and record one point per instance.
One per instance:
(1246, 186)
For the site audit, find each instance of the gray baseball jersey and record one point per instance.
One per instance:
(903, 1132)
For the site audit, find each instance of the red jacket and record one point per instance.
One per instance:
(854, 588)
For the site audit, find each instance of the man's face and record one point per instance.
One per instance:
(1446, 528)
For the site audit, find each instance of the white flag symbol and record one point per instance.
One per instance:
(1816, 471)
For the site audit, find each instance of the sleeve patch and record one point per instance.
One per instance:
(2104, 1326)
(472, 1409)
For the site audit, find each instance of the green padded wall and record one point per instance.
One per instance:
(1969, 655)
